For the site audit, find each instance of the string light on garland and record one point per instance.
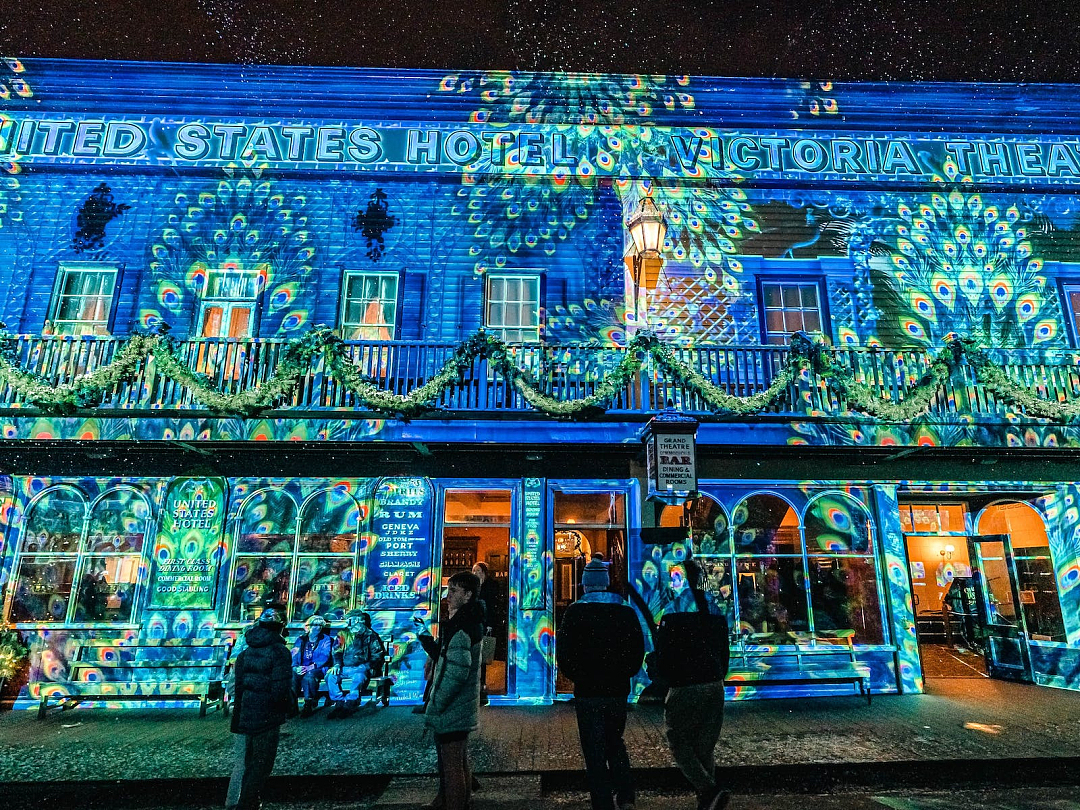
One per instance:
(809, 356)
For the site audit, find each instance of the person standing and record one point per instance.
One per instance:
(692, 656)
(454, 706)
(264, 700)
(599, 647)
(488, 601)
(312, 656)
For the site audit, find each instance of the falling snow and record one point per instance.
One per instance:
(990, 40)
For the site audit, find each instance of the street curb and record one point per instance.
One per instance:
(954, 774)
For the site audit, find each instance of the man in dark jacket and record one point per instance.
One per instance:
(692, 656)
(359, 655)
(599, 647)
(264, 700)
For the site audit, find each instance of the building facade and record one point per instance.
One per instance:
(328, 336)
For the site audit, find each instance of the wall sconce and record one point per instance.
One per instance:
(947, 552)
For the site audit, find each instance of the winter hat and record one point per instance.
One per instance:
(271, 615)
(595, 576)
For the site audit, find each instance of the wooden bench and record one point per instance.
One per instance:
(378, 683)
(821, 660)
(144, 670)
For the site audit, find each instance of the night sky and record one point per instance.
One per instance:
(987, 40)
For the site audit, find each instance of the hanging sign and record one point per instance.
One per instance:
(187, 549)
(533, 559)
(671, 455)
(398, 567)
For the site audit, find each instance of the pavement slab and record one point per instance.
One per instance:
(976, 720)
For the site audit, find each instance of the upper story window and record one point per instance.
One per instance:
(789, 307)
(229, 302)
(512, 307)
(1070, 292)
(83, 299)
(369, 306)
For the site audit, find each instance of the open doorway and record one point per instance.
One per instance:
(942, 588)
(476, 529)
(586, 523)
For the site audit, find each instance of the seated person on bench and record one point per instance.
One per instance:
(312, 656)
(358, 658)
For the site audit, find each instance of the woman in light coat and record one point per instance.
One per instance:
(454, 706)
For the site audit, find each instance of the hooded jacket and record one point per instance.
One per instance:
(454, 704)
(692, 643)
(364, 647)
(599, 645)
(264, 696)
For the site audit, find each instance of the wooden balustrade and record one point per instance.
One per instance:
(563, 372)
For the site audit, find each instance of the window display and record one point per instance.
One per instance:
(103, 555)
(305, 558)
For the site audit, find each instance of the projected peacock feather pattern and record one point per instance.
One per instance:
(247, 225)
(956, 263)
(529, 211)
(815, 100)
(576, 99)
(14, 87)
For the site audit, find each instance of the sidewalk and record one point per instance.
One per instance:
(961, 731)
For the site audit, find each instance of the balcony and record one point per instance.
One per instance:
(562, 372)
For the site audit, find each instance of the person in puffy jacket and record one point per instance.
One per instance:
(599, 646)
(359, 655)
(692, 657)
(264, 699)
(454, 705)
(312, 656)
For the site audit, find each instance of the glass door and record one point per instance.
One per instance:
(476, 538)
(997, 600)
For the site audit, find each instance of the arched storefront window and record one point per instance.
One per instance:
(265, 546)
(769, 575)
(102, 553)
(1036, 577)
(710, 539)
(844, 593)
(304, 558)
(327, 547)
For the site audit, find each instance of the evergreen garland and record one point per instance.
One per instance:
(808, 354)
(12, 653)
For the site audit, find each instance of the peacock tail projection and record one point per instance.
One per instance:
(246, 225)
(10, 199)
(590, 321)
(14, 87)
(529, 210)
(956, 263)
(817, 99)
(511, 216)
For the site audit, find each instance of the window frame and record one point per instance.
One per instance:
(64, 269)
(803, 279)
(80, 556)
(349, 273)
(500, 331)
(227, 303)
(293, 556)
(1066, 285)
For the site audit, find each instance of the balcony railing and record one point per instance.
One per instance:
(563, 372)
